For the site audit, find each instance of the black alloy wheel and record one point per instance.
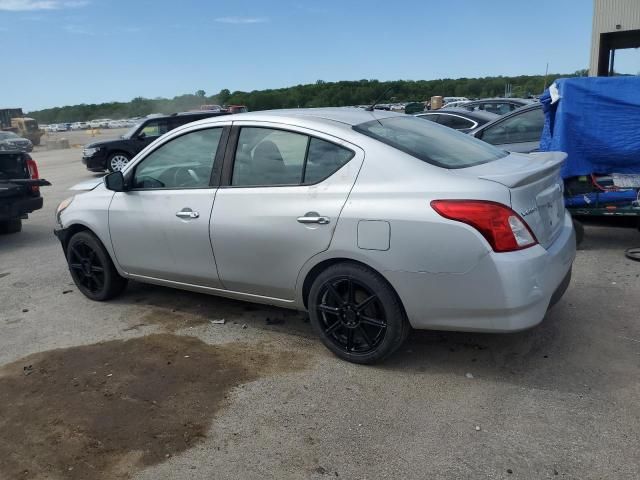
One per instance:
(356, 313)
(92, 269)
(351, 314)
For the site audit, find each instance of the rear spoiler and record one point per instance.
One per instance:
(541, 164)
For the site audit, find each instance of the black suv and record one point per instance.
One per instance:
(112, 155)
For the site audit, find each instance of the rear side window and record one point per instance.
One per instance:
(455, 122)
(267, 157)
(433, 117)
(443, 147)
(324, 158)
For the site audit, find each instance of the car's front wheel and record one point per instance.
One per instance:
(117, 161)
(92, 269)
(356, 313)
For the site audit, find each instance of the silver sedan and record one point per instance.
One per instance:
(374, 222)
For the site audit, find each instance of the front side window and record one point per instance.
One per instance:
(184, 162)
(267, 156)
(155, 128)
(443, 147)
(521, 128)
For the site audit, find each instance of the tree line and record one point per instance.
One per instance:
(318, 94)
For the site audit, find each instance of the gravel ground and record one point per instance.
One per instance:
(147, 387)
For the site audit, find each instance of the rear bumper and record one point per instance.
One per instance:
(18, 207)
(504, 292)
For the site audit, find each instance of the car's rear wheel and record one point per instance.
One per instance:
(92, 269)
(11, 226)
(117, 161)
(356, 313)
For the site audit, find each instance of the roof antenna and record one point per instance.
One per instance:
(370, 108)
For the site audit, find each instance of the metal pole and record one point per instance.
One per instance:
(546, 72)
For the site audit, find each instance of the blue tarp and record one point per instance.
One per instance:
(596, 121)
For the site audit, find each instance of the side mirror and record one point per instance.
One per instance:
(141, 136)
(477, 134)
(115, 182)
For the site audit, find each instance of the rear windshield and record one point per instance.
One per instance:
(431, 143)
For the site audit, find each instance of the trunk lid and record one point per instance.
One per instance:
(535, 186)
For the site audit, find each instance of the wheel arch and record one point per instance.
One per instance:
(318, 268)
(74, 228)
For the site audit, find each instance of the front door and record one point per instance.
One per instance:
(280, 205)
(160, 226)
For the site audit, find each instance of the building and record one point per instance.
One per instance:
(616, 26)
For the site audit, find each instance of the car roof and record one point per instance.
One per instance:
(475, 115)
(346, 116)
(522, 101)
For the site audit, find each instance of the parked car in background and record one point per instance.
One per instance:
(372, 221)
(113, 155)
(456, 104)
(458, 118)
(499, 106)
(79, 126)
(11, 141)
(447, 100)
(19, 189)
(518, 131)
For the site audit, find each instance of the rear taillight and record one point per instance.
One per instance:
(503, 228)
(33, 173)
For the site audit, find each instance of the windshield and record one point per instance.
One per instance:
(131, 131)
(429, 142)
(7, 135)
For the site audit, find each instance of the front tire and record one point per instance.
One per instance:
(357, 314)
(92, 269)
(117, 161)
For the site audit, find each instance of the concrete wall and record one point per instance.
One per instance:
(606, 15)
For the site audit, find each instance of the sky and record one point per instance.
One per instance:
(66, 52)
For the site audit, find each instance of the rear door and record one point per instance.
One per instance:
(282, 192)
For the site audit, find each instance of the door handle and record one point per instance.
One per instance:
(187, 213)
(313, 217)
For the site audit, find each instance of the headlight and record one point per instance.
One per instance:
(89, 152)
(61, 208)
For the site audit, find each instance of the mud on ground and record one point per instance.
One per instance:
(102, 411)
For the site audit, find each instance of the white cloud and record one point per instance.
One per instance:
(30, 5)
(242, 20)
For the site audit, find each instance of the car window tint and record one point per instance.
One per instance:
(431, 117)
(269, 157)
(524, 127)
(184, 162)
(455, 122)
(430, 143)
(324, 159)
(155, 128)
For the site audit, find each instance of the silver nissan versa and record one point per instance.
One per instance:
(374, 222)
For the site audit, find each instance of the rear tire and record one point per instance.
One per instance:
(11, 226)
(357, 314)
(92, 269)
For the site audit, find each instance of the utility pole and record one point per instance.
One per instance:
(546, 72)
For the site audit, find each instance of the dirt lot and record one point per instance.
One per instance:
(147, 387)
